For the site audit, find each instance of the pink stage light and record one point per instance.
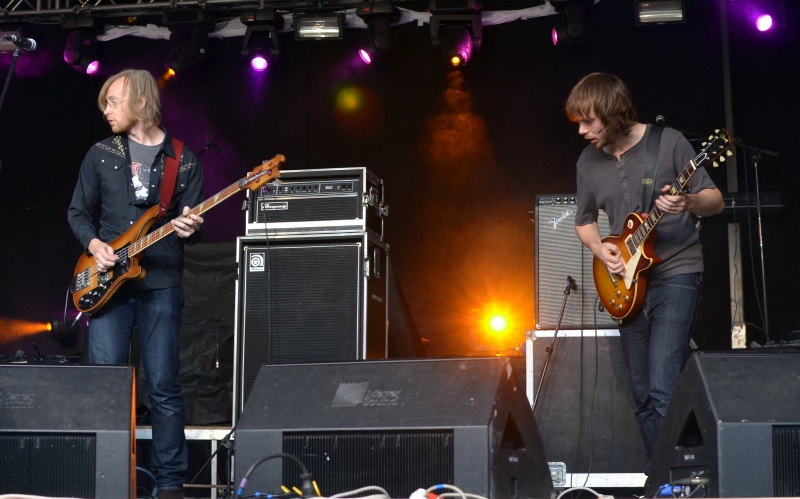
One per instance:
(365, 56)
(258, 63)
(93, 67)
(764, 22)
(554, 35)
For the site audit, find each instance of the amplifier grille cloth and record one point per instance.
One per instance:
(311, 209)
(307, 312)
(49, 465)
(559, 253)
(398, 461)
(786, 460)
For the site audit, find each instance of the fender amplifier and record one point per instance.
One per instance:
(559, 253)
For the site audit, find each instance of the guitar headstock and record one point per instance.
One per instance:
(265, 172)
(718, 146)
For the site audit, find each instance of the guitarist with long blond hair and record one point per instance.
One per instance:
(655, 341)
(125, 174)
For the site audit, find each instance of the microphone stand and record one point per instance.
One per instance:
(570, 286)
(755, 157)
(8, 77)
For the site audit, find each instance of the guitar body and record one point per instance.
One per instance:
(622, 295)
(92, 289)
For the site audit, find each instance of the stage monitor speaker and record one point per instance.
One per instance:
(559, 253)
(400, 425)
(734, 424)
(312, 298)
(67, 431)
(586, 412)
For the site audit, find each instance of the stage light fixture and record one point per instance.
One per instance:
(188, 46)
(660, 11)
(260, 44)
(67, 330)
(456, 29)
(379, 15)
(318, 26)
(764, 22)
(81, 49)
(574, 30)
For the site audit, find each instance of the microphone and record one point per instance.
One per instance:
(660, 120)
(28, 44)
(572, 284)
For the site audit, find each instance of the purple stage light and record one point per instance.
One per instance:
(365, 56)
(764, 22)
(258, 63)
(554, 35)
(93, 67)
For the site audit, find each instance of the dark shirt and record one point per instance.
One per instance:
(614, 186)
(105, 176)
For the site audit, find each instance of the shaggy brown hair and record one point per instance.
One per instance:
(141, 84)
(609, 98)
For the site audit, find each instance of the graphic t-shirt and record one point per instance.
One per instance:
(142, 158)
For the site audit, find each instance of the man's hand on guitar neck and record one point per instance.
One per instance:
(186, 224)
(705, 203)
(103, 254)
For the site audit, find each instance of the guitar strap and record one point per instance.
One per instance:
(649, 167)
(170, 177)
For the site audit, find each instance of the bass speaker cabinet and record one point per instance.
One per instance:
(559, 253)
(67, 431)
(400, 425)
(734, 424)
(311, 298)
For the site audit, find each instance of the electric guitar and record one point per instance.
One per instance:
(622, 295)
(92, 289)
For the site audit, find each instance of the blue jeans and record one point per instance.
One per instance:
(655, 345)
(157, 317)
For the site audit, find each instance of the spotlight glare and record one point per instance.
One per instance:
(456, 61)
(764, 22)
(93, 67)
(365, 56)
(49, 326)
(258, 63)
(498, 323)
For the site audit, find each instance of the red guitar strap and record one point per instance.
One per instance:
(170, 177)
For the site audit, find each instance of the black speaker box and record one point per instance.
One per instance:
(308, 298)
(400, 425)
(733, 423)
(67, 431)
(586, 412)
(559, 253)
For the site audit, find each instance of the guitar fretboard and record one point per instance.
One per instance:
(141, 244)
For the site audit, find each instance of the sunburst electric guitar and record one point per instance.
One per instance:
(622, 295)
(92, 289)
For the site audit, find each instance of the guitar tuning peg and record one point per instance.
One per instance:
(722, 159)
(728, 153)
(704, 144)
(716, 131)
(710, 137)
(715, 164)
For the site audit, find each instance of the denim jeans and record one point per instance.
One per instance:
(655, 345)
(157, 317)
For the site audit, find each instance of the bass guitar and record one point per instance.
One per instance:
(622, 295)
(91, 289)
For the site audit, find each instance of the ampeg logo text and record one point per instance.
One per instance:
(555, 221)
(274, 205)
(257, 262)
(354, 394)
(16, 400)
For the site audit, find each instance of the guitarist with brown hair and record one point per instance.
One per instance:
(125, 173)
(610, 176)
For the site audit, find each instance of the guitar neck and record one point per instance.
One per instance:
(150, 239)
(649, 223)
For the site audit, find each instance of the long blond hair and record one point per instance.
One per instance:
(140, 84)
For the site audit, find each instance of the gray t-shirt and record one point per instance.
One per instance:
(142, 158)
(615, 187)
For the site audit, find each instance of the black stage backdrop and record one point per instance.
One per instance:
(463, 153)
